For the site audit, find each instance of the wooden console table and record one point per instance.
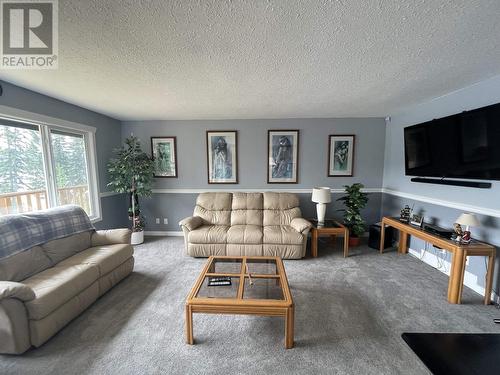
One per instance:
(459, 253)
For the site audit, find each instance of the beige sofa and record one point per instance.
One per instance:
(262, 224)
(45, 287)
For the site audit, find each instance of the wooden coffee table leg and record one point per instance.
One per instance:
(189, 325)
(314, 243)
(289, 325)
(457, 268)
(346, 243)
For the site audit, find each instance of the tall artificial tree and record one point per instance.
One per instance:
(354, 201)
(131, 171)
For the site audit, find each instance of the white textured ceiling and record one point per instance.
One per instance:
(182, 59)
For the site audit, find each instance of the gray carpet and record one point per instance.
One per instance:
(350, 314)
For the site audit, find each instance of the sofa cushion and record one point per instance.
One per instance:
(106, 258)
(280, 201)
(58, 250)
(280, 217)
(244, 249)
(43, 329)
(247, 209)
(22, 265)
(283, 251)
(206, 249)
(57, 285)
(209, 234)
(214, 208)
(280, 208)
(244, 234)
(110, 237)
(242, 217)
(282, 234)
(247, 201)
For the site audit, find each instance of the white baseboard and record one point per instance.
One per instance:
(444, 265)
(163, 233)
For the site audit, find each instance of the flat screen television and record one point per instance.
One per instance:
(465, 145)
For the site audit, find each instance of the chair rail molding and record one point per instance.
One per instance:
(105, 194)
(256, 190)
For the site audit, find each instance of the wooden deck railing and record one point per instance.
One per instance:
(25, 201)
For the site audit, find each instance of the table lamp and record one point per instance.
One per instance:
(469, 220)
(321, 196)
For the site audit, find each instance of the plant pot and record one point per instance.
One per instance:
(354, 241)
(137, 238)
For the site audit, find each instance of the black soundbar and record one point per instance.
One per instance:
(438, 181)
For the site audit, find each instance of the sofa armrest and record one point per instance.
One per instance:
(11, 289)
(111, 237)
(191, 223)
(300, 225)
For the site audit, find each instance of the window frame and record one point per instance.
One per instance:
(45, 125)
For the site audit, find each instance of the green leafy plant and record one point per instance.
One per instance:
(354, 201)
(131, 172)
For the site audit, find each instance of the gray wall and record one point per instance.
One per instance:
(452, 198)
(107, 137)
(478, 95)
(252, 160)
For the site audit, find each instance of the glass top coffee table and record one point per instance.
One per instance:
(242, 285)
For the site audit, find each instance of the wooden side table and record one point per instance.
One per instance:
(332, 228)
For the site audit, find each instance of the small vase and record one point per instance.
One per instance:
(137, 238)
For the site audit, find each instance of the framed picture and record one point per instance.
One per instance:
(282, 155)
(340, 155)
(222, 157)
(417, 220)
(164, 153)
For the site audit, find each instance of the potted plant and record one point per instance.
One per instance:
(131, 171)
(354, 201)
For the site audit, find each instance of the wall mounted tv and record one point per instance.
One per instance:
(465, 145)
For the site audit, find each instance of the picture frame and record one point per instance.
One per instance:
(222, 156)
(282, 156)
(341, 155)
(417, 220)
(164, 155)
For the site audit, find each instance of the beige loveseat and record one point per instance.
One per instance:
(46, 286)
(262, 224)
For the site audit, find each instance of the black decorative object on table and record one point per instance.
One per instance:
(219, 281)
(417, 220)
(438, 231)
(405, 214)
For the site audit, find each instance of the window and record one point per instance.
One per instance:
(44, 166)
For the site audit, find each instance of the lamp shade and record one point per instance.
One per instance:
(321, 195)
(468, 219)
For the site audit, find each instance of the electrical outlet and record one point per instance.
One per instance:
(157, 220)
(467, 261)
(165, 221)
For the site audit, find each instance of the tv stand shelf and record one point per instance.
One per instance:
(459, 252)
